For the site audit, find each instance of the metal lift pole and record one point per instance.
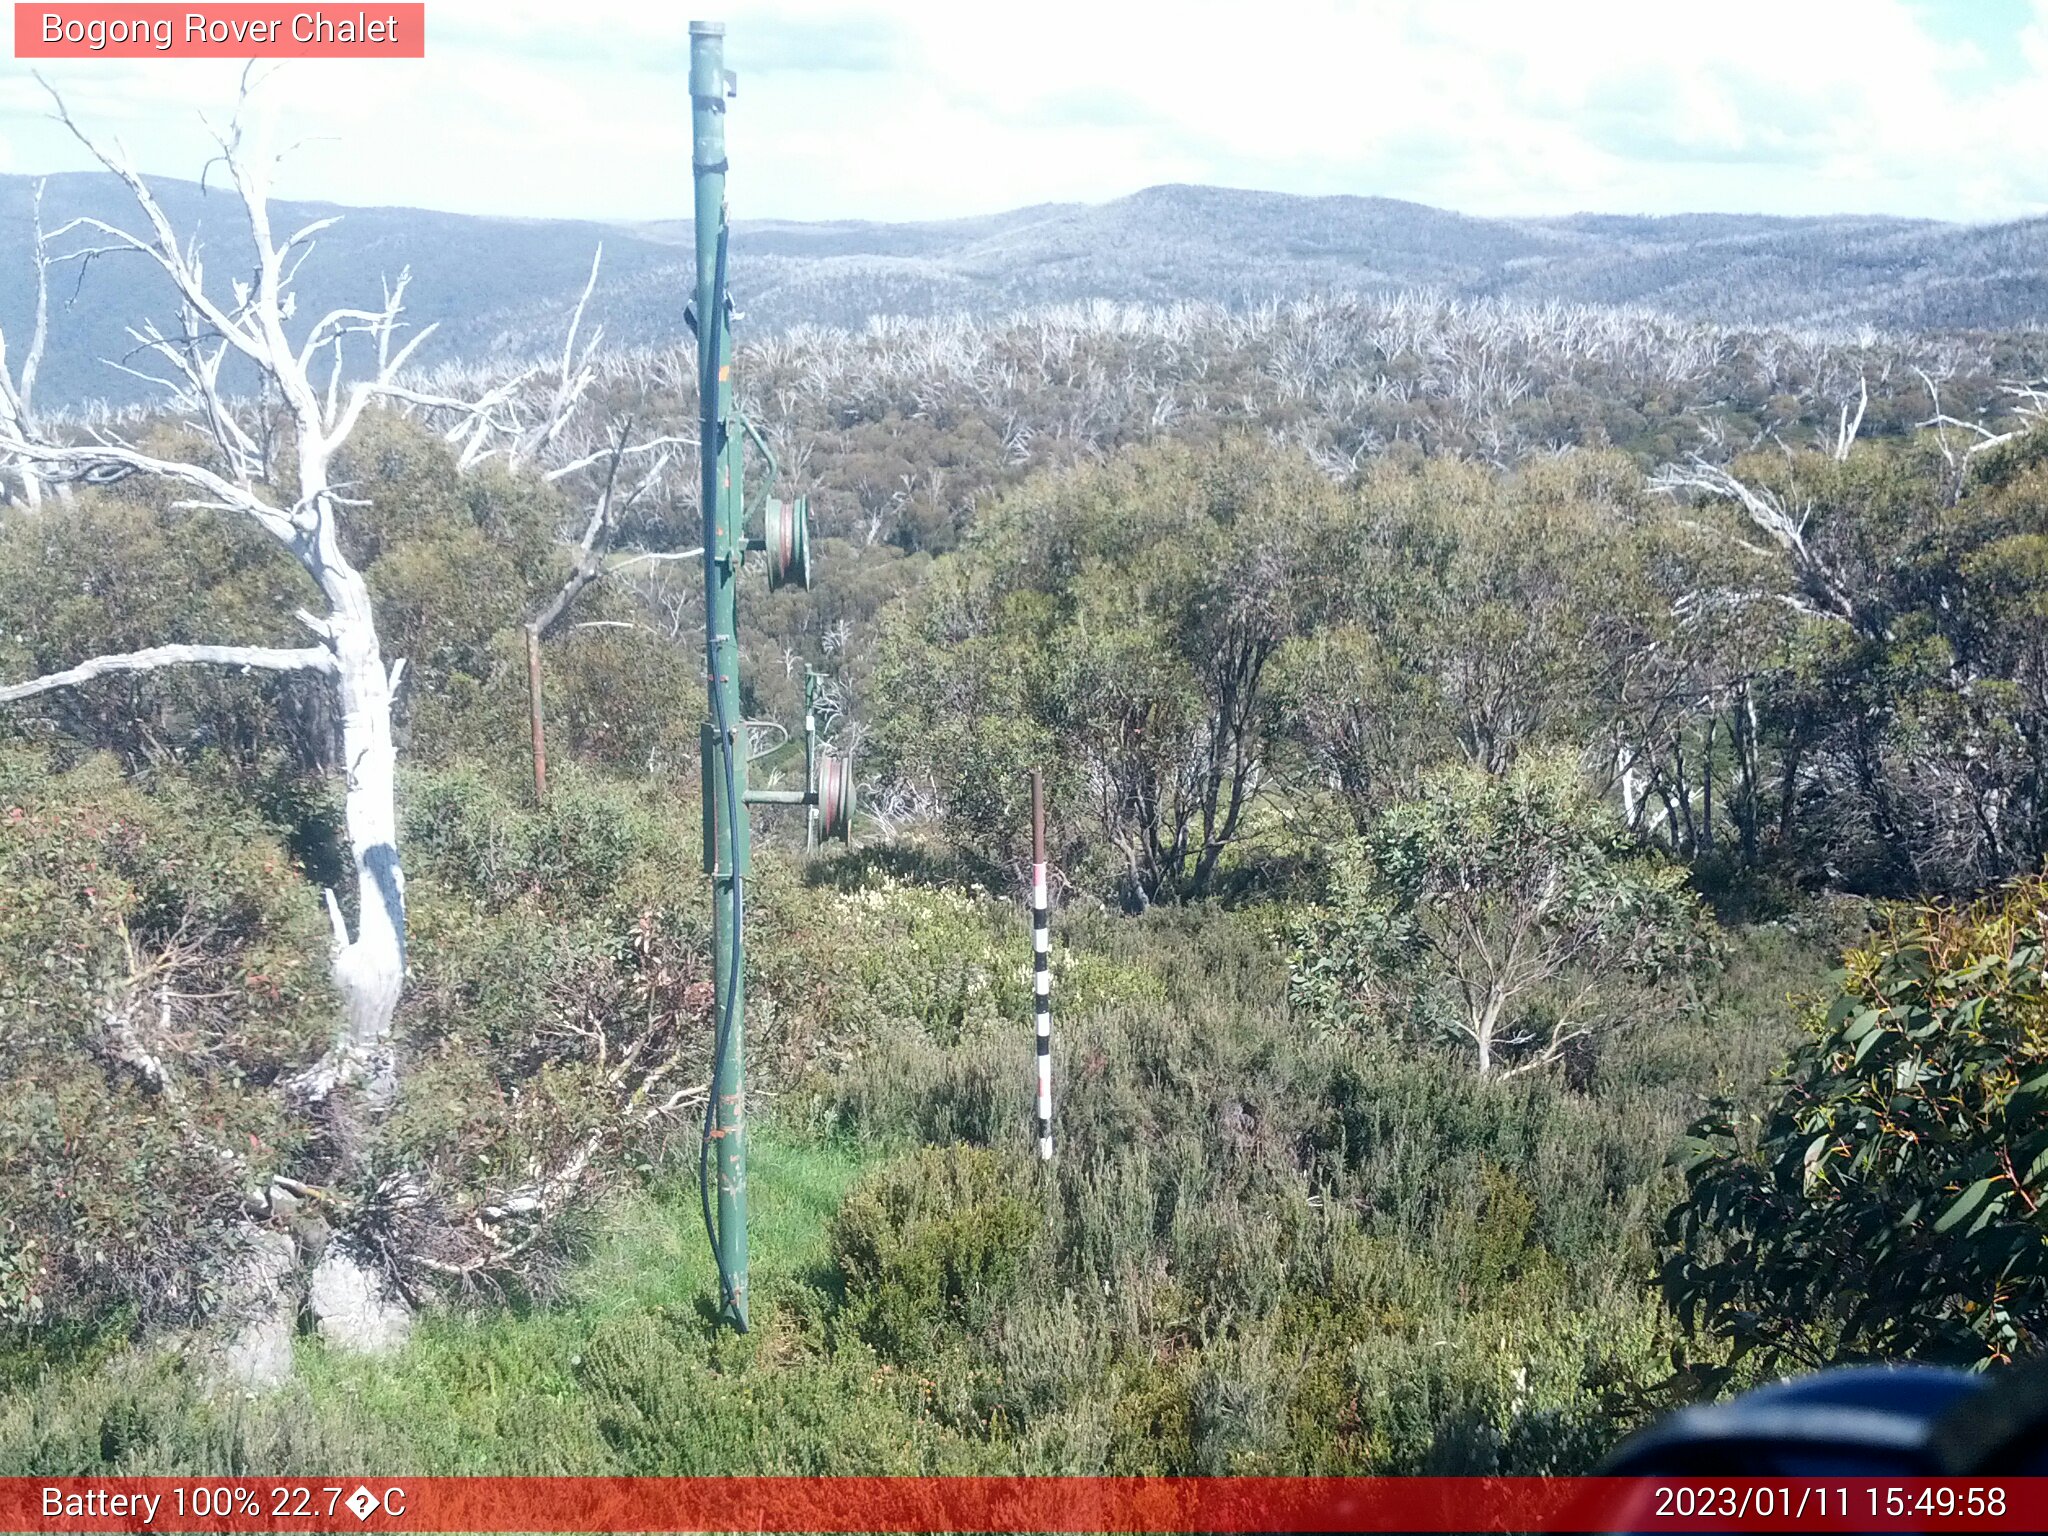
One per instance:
(723, 740)
(785, 540)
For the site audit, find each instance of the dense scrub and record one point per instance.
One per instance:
(1259, 1248)
(163, 981)
(1267, 1249)
(1802, 672)
(159, 973)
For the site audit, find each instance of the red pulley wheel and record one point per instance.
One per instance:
(835, 796)
(785, 529)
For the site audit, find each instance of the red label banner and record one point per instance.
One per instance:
(249, 31)
(1018, 1504)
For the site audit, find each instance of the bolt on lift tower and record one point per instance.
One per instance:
(828, 779)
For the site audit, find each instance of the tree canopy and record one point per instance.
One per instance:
(1508, 911)
(1890, 1203)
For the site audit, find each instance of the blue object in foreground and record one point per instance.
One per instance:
(1857, 1421)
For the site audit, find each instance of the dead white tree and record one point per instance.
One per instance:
(271, 458)
(17, 390)
(573, 381)
(532, 421)
(1780, 518)
(2029, 401)
(250, 325)
(1847, 426)
(274, 412)
(523, 417)
(1958, 464)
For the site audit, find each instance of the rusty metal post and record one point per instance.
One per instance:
(540, 739)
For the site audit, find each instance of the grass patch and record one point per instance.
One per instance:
(624, 1372)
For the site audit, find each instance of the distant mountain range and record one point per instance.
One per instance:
(502, 288)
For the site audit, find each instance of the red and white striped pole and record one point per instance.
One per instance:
(1041, 964)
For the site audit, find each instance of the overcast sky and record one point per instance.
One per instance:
(900, 109)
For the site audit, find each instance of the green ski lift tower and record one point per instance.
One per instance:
(784, 541)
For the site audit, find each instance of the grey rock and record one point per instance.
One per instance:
(257, 1315)
(352, 1307)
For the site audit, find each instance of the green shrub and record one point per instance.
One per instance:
(1510, 913)
(615, 700)
(161, 968)
(941, 961)
(1270, 1250)
(560, 990)
(122, 569)
(1112, 622)
(1892, 1203)
(931, 1241)
(669, 1404)
(594, 844)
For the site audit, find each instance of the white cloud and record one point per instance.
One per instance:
(928, 108)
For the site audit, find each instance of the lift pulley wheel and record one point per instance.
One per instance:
(835, 796)
(786, 531)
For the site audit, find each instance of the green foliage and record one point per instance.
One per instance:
(592, 843)
(1508, 910)
(1891, 1204)
(613, 698)
(893, 954)
(932, 1241)
(629, 1374)
(667, 1406)
(163, 973)
(451, 558)
(120, 571)
(1268, 1251)
(1114, 622)
(1906, 715)
(161, 968)
(911, 993)
(560, 988)
(457, 563)
(1264, 1247)
(1258, 1250)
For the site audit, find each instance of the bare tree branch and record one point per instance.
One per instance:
(1846, 429)
(1770, 513)
(157, 657)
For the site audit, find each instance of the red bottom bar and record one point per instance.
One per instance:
(1019, 1504)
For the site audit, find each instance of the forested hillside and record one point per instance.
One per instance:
(500, 290)
(1546, 803)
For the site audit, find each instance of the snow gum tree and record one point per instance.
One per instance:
(274, 396)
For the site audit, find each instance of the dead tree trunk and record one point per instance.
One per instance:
(358, 1075)
(369, 969)
(17, 390)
